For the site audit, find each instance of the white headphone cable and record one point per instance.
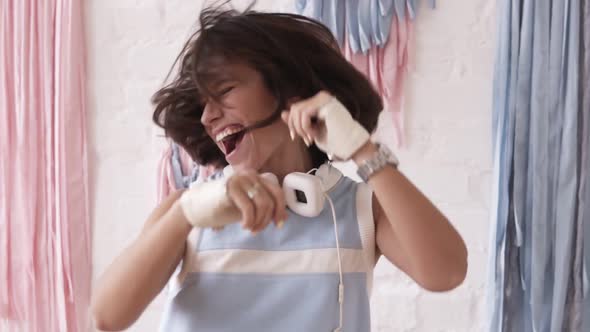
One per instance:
(341, 283)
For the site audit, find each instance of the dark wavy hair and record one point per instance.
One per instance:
(296, 56)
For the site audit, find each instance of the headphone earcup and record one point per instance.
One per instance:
(304, 194)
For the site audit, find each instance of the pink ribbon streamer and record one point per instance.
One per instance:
(387, 68)
(166, 183)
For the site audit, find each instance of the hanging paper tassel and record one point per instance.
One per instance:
(377, 42)
(164, 179)
(177, 170)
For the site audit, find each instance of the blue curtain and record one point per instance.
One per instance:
(537, 276)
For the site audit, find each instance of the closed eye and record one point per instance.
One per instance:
(225, 91)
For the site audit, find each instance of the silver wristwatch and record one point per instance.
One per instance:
(382, 158)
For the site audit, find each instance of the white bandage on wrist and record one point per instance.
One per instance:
(207, 205)
(342, 136)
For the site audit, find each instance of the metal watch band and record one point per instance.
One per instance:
(380, 159)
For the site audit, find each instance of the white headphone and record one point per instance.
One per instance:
(305, 193)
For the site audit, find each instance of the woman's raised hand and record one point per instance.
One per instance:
(323, 120)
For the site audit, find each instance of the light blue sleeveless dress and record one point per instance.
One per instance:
(280, 280)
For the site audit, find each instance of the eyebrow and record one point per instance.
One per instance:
(216, 83)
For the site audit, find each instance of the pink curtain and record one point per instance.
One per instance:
(45, 257)
(387, 67)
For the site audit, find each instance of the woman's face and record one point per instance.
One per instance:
(244, 100)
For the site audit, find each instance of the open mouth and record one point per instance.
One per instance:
(230, 139)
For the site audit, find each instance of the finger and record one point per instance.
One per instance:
(286, 116)
(306, 123)
(322, 97)
(296, 115)
(299, 126)
(264, 206)
(254, 189)
(304, 111)
(238, 195)
(280, 203)
(293, 122)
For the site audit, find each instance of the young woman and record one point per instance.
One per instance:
(271, 93)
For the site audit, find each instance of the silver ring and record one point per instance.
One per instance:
(253, 191)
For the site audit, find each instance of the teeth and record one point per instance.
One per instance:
(227, 132)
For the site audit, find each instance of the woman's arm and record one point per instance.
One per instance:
(136, 277)
(132, 281)
(412, 233)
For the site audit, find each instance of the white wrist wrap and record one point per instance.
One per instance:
(207, 205)
(343, 135)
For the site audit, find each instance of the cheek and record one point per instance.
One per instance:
(261, 103)
(249, 108)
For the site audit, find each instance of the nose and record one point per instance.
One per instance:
(211, 112)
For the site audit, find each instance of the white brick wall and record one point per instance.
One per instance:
(132, 43)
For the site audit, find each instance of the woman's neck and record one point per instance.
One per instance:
(292, 157)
